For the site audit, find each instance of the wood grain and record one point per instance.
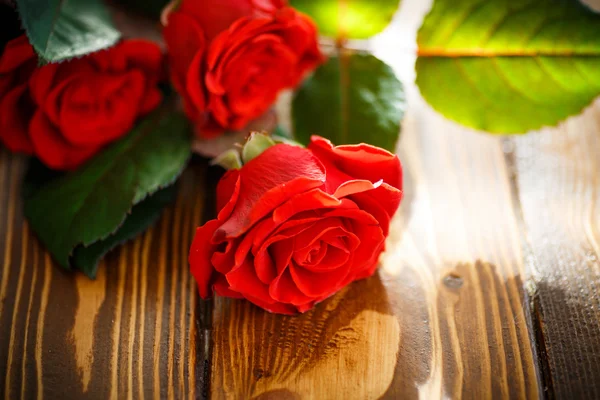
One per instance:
(489, 288)
(557, 180)
(131, 333)
(445, 317)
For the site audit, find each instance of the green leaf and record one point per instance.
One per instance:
(37, 175)
(63, 29)
(280, 131)
(91, 203)
(142, 216)
(509, 66)
(353, 98)
(352, 19)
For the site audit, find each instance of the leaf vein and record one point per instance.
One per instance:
(504, 19)
(502, 75)
(468, 79)
(55, 18)
(551, 76)
(466, 16)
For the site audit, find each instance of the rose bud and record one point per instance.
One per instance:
(65, 113)
(296, 225)
(230, 59)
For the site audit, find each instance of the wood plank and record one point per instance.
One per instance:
(445, 317)
(558, 184)
(131, 333)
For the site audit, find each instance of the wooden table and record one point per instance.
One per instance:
(489, 288)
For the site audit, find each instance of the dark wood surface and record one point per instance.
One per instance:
(557, 188)
(490, 287)
(131, 333)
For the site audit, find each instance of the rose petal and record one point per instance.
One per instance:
(52, 149)
(355, 186)
(194, 85)
(16, 52)
(150, 100)
(284, 290)
(41, 82)
(381, 203)
(361, 161)
(140, 54)
(319, 284)
(268, 181)
(268, 6)
(278, 308)
(228, 191)
(221, 288)
(312, 255)
(15, 113)
(216, 15)
(200, 255)
(282, 254)
(368, 267)
(244, 280)
(310, 200)
(280, 247)
(224, 261)
(265, 267)
(186, 44)
(98, 112)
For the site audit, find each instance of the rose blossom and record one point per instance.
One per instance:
(296, 225)
(17, 63)
(230, 59)
(65, 113)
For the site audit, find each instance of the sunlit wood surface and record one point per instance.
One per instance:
(489, 288)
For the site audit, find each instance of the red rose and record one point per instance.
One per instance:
(16, 66)
(229, 60)
(295, 225)
(215, 16)
(69, 111)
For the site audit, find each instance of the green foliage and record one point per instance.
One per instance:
(508, 66)
(354, 19)
(90, 204)
(353, 98)
(63, 29)
(142, 216)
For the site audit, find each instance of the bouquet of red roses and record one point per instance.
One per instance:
(111, 114)
(111, 122)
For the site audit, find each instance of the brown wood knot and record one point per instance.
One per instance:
(259, 373)
(453, 281)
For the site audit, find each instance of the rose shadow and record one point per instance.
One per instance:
(287, 349)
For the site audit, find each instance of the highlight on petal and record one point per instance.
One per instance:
(356, 186)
